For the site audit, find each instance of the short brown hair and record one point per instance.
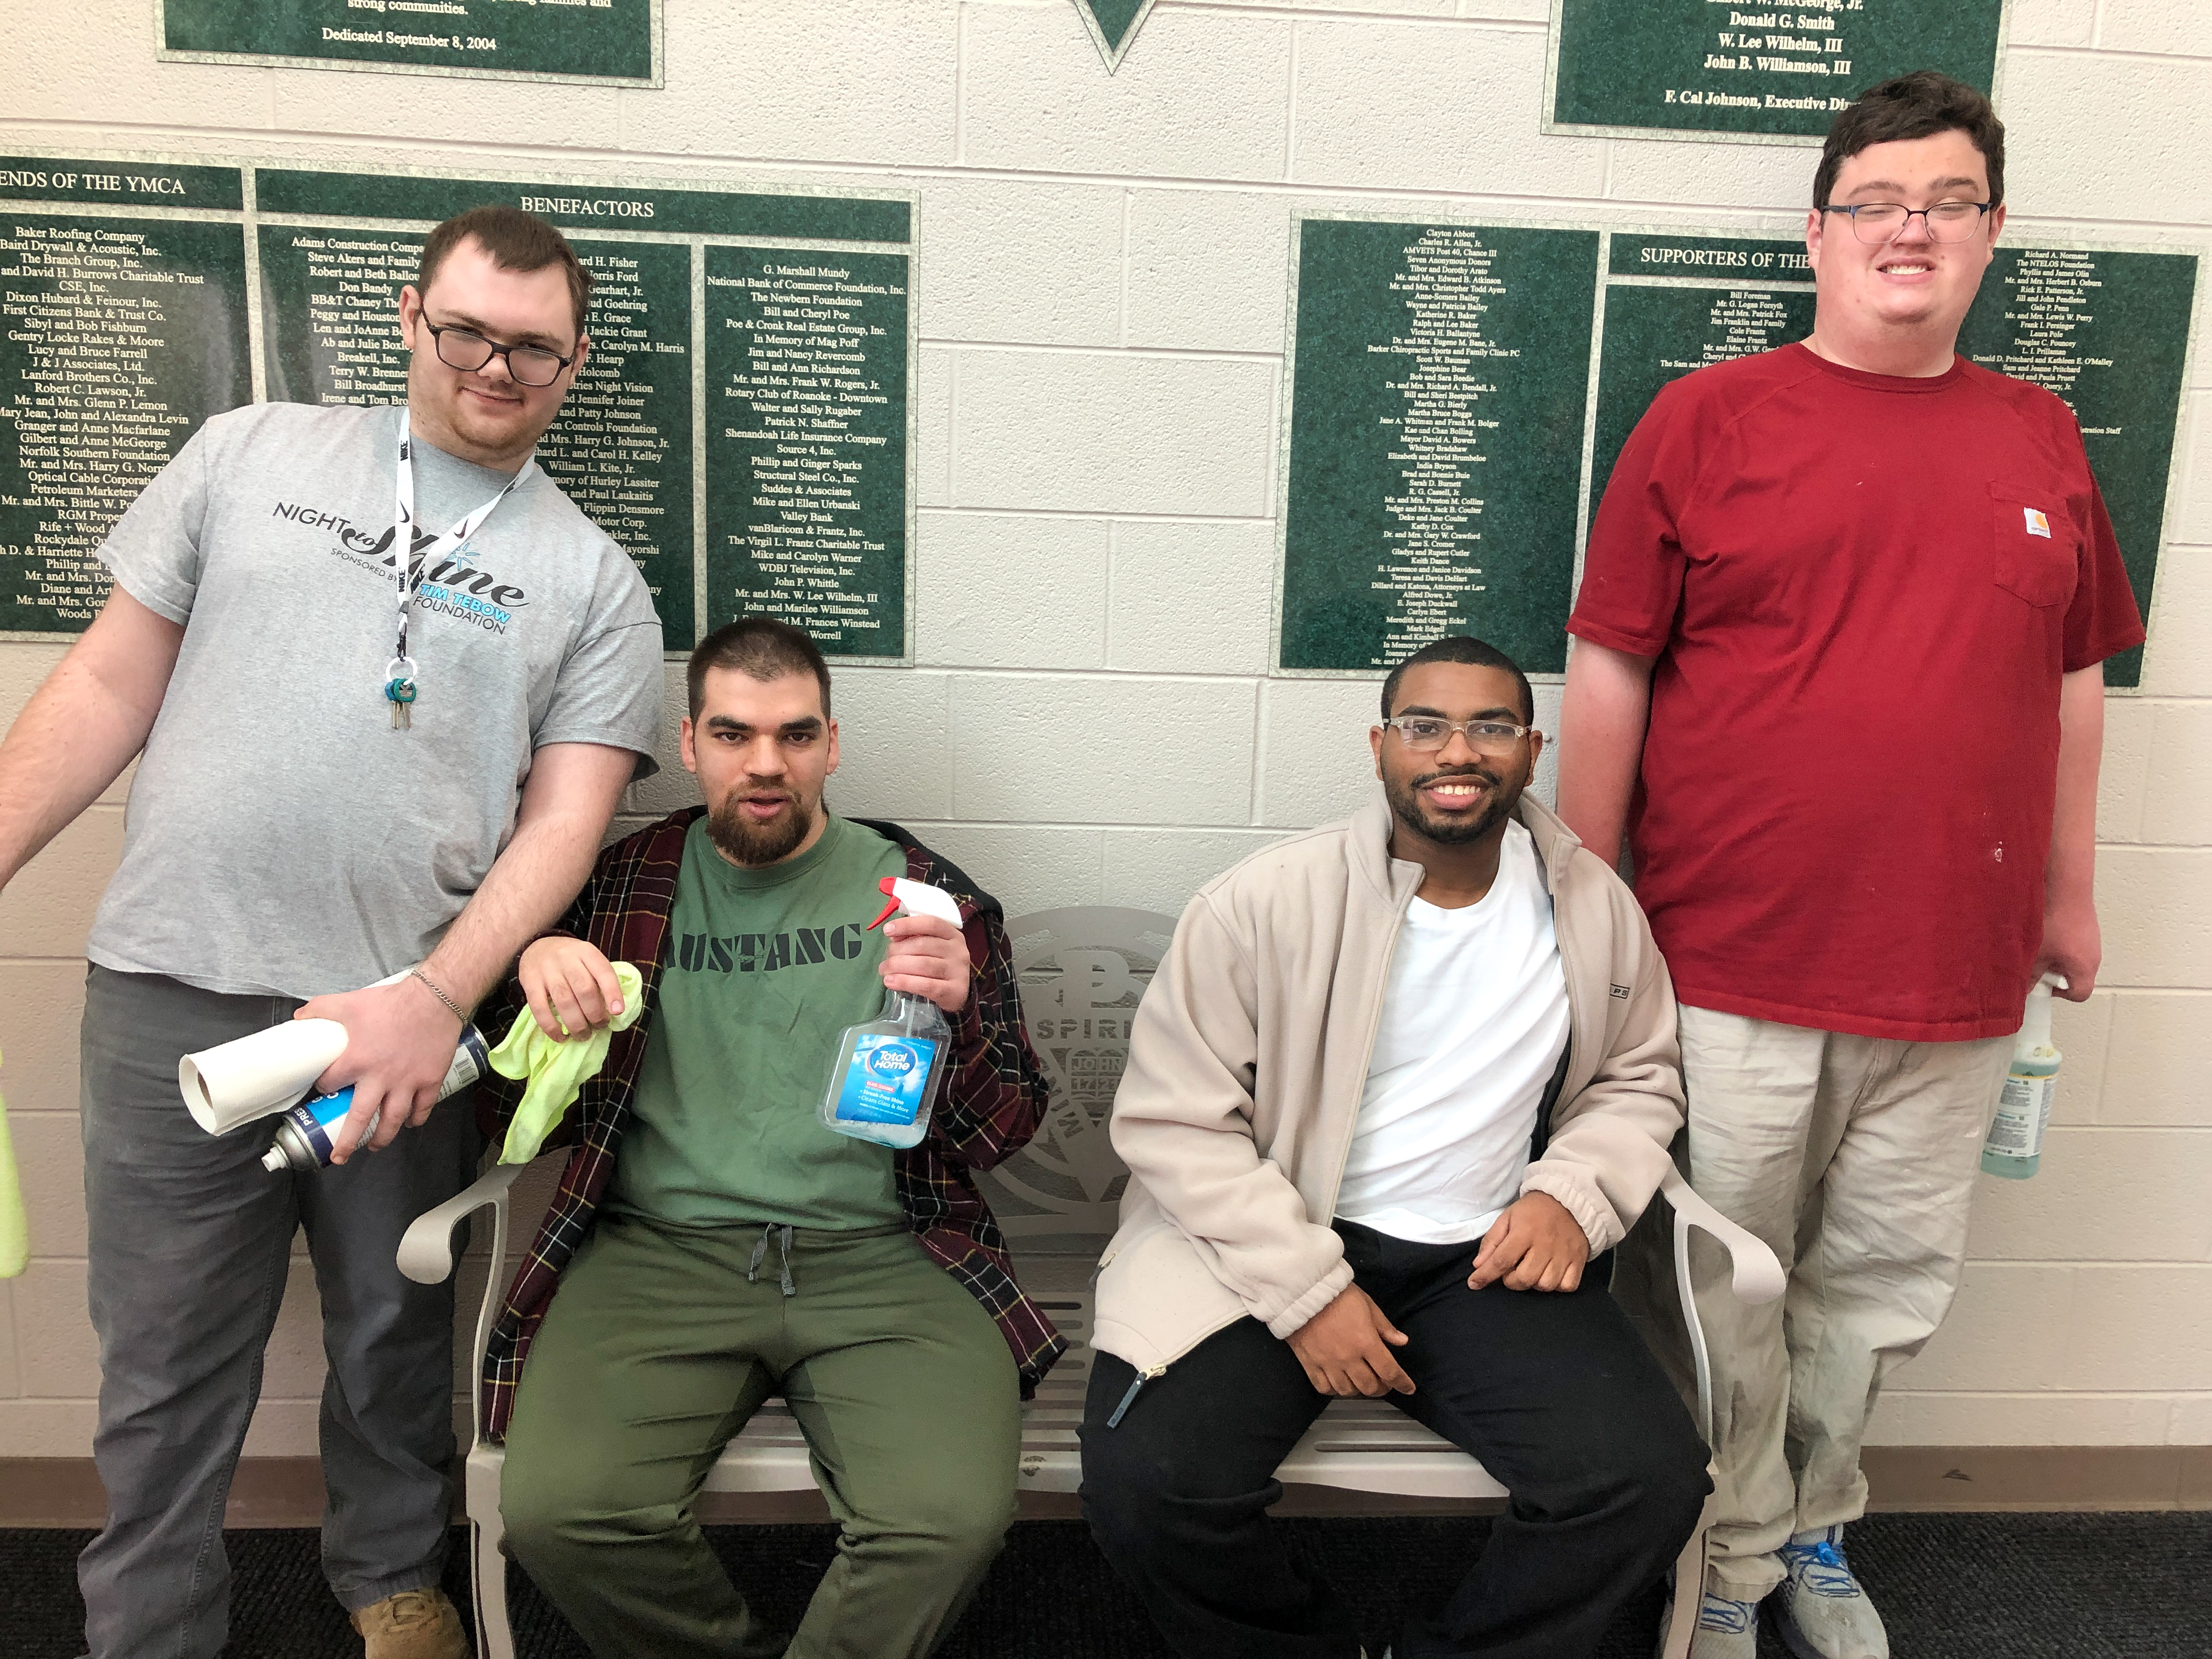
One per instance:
(762, 647)
(516, 241)
(1915, 106)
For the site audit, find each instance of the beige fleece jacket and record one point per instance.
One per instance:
(1249, 1054)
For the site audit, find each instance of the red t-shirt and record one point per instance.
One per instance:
(1862, 591)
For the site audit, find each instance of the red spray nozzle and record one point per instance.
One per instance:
(888, 886)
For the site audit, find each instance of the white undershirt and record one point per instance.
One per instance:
(1474, 1019)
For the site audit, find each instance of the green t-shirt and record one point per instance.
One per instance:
(766, 969)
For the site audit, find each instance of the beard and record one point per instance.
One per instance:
(746, 841)
(1406, 804)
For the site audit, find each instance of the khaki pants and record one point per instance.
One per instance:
(1854, 1158)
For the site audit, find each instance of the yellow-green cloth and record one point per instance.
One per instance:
(15, 1228)
(557, 1071)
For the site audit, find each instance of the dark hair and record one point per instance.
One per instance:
(516, 241)
(761, 646)
(1458, 648)
(1915, 106)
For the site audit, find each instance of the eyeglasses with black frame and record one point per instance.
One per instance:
(466, 350)
(1425, 734)
(1877, 222)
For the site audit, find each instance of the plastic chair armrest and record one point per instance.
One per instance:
(426, 1252)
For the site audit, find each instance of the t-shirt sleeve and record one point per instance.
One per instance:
(1632, 570)
(609, 690)
(2102, 621)
(154, 549)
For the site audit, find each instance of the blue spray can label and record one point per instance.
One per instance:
(304, 1133)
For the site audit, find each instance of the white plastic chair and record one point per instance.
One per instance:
(1357, 1445)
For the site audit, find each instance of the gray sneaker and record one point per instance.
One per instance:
(1822, 1611)
(1725, 1629)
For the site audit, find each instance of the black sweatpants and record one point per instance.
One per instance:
(1554, 1394)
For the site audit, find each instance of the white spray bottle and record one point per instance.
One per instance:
(2014, 1146)
(888, 1070)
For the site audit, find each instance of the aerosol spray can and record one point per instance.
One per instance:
(2014, 1146)
(888, 1069)
(303, 1133)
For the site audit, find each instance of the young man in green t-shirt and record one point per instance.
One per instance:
(738, 1246)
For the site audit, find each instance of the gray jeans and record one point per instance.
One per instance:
(189, 1237)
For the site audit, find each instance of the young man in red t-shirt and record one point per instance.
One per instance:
(1837, 674)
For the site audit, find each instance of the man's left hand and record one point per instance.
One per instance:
(2071, 947)
(1536, 1245)
(399, 1045)
(929, 958)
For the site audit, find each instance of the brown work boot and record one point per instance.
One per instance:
(413, 1624)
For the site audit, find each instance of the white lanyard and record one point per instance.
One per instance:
(400, 674)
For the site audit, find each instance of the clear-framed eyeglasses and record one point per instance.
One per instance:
(1424, 734)
(466, 350)
(1877, 222)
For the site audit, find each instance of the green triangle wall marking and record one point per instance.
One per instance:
(1113, 24)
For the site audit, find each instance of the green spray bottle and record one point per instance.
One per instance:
(888, 1070)
(2014, 1148)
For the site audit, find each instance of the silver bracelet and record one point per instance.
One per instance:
(452, 1006)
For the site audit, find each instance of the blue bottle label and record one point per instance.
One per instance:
(318, 1117)
(885, 1079)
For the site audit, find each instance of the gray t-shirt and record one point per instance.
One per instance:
(281, 838)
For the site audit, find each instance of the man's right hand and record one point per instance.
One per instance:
(1345, 1348)
(571, 987)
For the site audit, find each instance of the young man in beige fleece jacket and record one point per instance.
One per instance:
(1398, 1085)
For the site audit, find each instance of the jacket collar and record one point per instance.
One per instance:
(1395, 880)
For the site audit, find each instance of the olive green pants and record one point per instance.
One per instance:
(664, 1340)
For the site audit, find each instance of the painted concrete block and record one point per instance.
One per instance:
(11, 1376)
(1160, 869)
(2031, 1419)
(2158, 1066)
(1315, 763)
(59, 1357)
(2147, 1327)
(1010, 260)
(1198, 96)
(2154, 26)
(671, 787)
(933, 428)
(295, 1366)
(892, 736)
(2009, 1329)
(48, 1428)
(2053, 23)
(50, 1158)
(861, 81)
(1082, 432)
(2123, 774)
(2101, 1195)
(2175, 665)
(2082, 1031)
(41, 1006)
(2157, 923)
(1525, 11)
(2191, 521)
(1762, 187)
(285, 1428)
(1012, 591)
(1424, 106)
(24, 666)
(2177, 798)
(2151, 178)
(1026, 868)
(1101, 750)
(1190, 597)
(351, 102)
(2190, 1425)
(95, 62)
(47, 909)
(1208, 269)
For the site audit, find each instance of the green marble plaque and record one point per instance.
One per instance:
(2107, 329)
(1439, 378)
(616, 42)
(122, 336)
(1720, 68)
(806, 359)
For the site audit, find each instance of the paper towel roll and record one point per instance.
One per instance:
(254, 1076)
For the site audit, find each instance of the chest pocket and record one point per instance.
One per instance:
(2035, 551)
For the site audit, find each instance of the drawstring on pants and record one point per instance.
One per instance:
(782, 1235)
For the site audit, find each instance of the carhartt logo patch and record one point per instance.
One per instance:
(2037, 524)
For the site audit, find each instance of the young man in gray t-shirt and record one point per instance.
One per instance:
(351, 764)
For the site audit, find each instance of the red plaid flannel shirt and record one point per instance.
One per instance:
(990, 1105)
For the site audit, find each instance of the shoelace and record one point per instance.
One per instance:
(1725, 1617)
(1822, 1568)
(782, 1235)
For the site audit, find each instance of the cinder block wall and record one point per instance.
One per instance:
(1102, 267)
